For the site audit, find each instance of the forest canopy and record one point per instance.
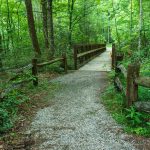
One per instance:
(59, 24)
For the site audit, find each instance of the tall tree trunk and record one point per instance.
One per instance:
(108, 27)
(1, 50)
(45, 27)
(31, 25)
(140, 26)
(51, 27)
(117, 33)
(70, 11)
(131, 20)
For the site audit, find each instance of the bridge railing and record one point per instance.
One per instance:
(85, 52)
(132, 77)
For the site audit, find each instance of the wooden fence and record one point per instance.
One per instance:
(132, 76)
(84, 53)
(35, 66)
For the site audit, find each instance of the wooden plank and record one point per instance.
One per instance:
(75, 58)
(113, 56)
(123, 70)
(50, 62)
(143, 81)
(34, 72)
(12, 87)
(65, 63)
(89, 52)
(132, 88)
(119, 85)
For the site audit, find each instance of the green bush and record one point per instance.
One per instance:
(9, 109)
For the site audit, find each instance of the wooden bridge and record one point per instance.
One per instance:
(95, 57)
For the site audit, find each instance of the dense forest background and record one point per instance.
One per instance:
(61, 23)
(45, 29)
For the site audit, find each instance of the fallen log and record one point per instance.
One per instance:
(5, 92)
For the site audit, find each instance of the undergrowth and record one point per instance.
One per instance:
(17, 102)
(9, 108)
(133, 121)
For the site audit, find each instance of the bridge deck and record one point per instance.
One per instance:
(100, 63)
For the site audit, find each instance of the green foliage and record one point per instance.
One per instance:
(9, 109)
(134, 117)
(133, 121)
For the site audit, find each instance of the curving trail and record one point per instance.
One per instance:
(77, 120)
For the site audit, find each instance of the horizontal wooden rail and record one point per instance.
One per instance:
(49, 62)
(123, 70)
(89, 52)
(132, 77)
(143, 81)
(119, 85)
(36, 66)
(85, 52)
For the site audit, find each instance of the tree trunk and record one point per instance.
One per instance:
(45, 27)
(117, 33)
(51, 28)
(131, 19)
(31, 25)
(70, 11)
(140, 26)
(1, 50)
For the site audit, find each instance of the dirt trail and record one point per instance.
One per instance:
(77, 120)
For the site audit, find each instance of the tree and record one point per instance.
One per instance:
(140, 25)
(31, 25)
(1, 50)
(70, 12)
(51, 28)
(45, 23)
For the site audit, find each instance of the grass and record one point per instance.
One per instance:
(133, 122)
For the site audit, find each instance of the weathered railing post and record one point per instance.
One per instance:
(132, 87)
(113, 56)
(34, 72)
(65, 62)
(75, 58)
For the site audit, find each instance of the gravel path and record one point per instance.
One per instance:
(77, 120)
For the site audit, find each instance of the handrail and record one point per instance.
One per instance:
(123, 70)
(49, 62)
(143, 81)
(36, 65)
(89, 52)
(133, 79)
(85, 52)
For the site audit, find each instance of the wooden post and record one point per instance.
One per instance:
(113, 56)
(132, 87)
(34, 72)
(75, 58)
(65, 63)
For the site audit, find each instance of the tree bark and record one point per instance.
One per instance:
(131, 19)
(1, 50)
(31, 25)
(45, 27)
(70, 12)
(140, 26)
(51, 27)
(117, 33)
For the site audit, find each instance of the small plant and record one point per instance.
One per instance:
(9, 109)
(133, 117)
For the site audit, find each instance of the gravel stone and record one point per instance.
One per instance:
(78, 120)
